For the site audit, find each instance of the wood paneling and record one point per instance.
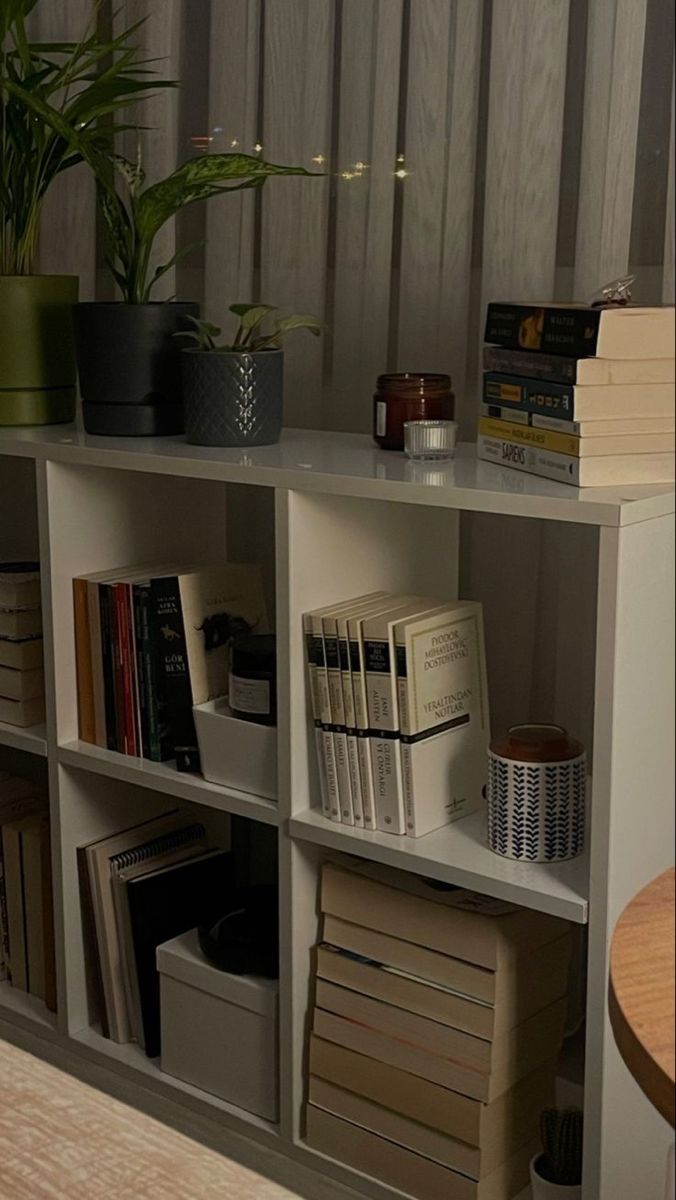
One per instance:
(299, 41)
(615, 41)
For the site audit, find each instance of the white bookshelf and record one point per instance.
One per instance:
(329, 516)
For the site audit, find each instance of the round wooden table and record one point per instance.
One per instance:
(641, 996)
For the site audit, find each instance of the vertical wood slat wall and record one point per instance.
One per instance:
(444, 128)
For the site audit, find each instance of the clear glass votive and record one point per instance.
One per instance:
(430, 439)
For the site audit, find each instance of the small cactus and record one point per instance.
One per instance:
(561, 1133)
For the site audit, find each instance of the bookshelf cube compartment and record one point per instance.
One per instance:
(18, 505)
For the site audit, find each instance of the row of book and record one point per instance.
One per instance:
(140, 887)
(151, 642)
(582, 394)
(22, 684)
(438, 1020)
(400, 708)
(26, 905)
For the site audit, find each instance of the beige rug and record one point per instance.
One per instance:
(63, 1140)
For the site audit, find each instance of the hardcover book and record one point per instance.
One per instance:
(21, 685)
(22, 713)
(20, 623)
(578, 330)
(572, 403)
(197, 614)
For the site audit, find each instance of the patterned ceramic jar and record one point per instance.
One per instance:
(536, 794)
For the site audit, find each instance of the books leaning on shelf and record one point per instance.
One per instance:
(580, 394)
(140, 887)
(21, 673)
(399, 703)
(432, 1052)
(27, 958)
(151, 642)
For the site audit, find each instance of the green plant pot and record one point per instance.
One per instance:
(37, 360)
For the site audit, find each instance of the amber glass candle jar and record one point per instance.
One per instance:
(409, 397)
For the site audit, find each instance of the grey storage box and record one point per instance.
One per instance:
(219, 1031)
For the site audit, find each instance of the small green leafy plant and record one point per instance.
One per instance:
(57, 105)
(561, 1132)
(134, 218)
(250, 336)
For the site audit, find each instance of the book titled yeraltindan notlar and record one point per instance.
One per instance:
(197, 616)
(443, 714)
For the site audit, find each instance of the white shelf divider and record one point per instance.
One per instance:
(32, 740)
(164, 778)
(458, 854)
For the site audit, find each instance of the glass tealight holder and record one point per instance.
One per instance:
(433, 440)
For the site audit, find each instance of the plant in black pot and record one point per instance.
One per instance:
(128, 362)
(234, 394)
(56, 105)
(556, 1173)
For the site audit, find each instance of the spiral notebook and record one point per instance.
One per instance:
(98, 856)
(131, 865)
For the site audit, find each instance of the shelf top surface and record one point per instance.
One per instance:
(350, 465)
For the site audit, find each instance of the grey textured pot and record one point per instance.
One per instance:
(233, 399)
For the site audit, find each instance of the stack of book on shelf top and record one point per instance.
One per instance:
(433, 1049)
(139, 888)
(26, 906)
(22, 685)
(400, 708)
(580, 393)
(153, 641)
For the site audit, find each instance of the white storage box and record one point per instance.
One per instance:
(235, 753)
(219, 1031)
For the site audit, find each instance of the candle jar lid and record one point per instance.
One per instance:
(255, 652)
(537, 743)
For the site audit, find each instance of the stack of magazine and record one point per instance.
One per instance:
(400, 709)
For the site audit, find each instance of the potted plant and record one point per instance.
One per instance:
(234, 394)
(128, 362)
(556, 1173)
(56, 105)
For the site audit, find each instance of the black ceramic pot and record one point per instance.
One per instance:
(233, 399)
(129, 366)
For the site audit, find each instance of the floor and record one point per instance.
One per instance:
(62, 1140)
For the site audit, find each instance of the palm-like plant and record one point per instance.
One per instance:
(134, 217)
(57, 104)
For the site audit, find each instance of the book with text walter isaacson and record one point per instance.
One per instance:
(197, 615)
(622, 331)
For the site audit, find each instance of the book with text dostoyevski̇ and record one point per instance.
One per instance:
(443, 714)
(197, 614)
(578, 330)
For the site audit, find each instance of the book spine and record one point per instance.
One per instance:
(387, 783)
(572, 332)
(541, 439)
(168, 612)
(314, 661)
(108, 663)
(350, 725)
(83, 663)
(125, 669)
(497, 413)
(380, 683)
(544, 398)
(4, 929)
(545, 463)
(143, 683)
(361, 723)
(553, 367)
(337, 719)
